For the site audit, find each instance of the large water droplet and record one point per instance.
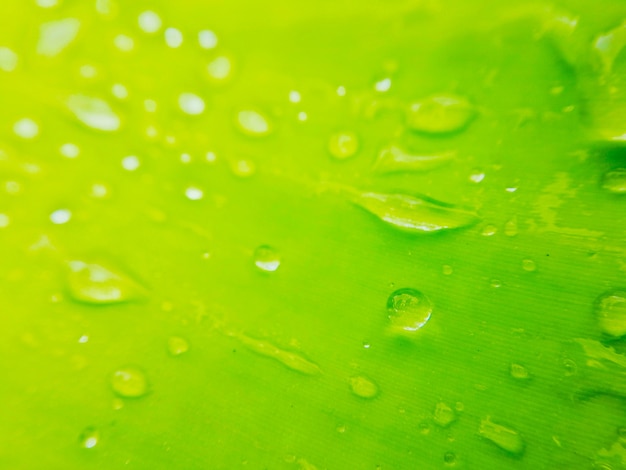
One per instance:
(89, 438)
(614, 181)
(440, 114)
(409, 310)
(506, 438)
(94, 112)
(343, 145)
(253, 123)
(415, 214)
(610, 310)
(56, 36)
(97, 285)
(363, 387)
(129, 382)
(266, 258)
(394, 159)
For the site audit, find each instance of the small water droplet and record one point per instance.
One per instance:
(496, 283)
(219, 69)
(444, 416)
(94, 113)
(99, 191)
(207, 39)
(89, 438)
(130, 163)
(343, 145)
(341, 91)
(489, 230)
(124, 42)
(150, 105)
(447, 269)
(191, 104)
(243, 168)
(363, 387)
(194, 194)
(266, 258)
(341, 429)
(383, 85)
(177, 346)
(173, 38)
(8, 59)
(529, 265)
(129, 382)
(47, 3)
(119, 91)
(409, 310)
(55, 36)
(69, 150)
(477, 177)
(449, 458)
(302, 116)
(610, 309)
(510, 228)
(185, 158)
(88, 71)
(97, 285)
(395, 159)
(149, 22)
(253, 123)
(519, 372)
(83, 339)
(570, 367)
(26, 128)
(506, 438)
(614, 181)
(294, 96)
(440, 114)
(211, 157)
(424, 428)
(60, 216)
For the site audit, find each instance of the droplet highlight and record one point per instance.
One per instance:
(266, 258)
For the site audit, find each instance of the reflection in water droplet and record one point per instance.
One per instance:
(129, 382)
(173, 38)
(219, 68)
(191, 103)
(8, 59)
(614, 181)
(343, 145)
(149, 22)
(60, 216)
(130, 163)
(89, 438)
(409, 310)
(519, 372)
(56, 36)
(266, 258)
(94, 112)
(363, 387)
(529, 265)
(489, 230)
(253, 123)
(69, 150)
(610, 309)
(97, 285)
(207, 39)
(26, 128)
(177, 346)
(440, 114)
(194, 194)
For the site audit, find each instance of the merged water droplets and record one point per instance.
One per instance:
(94, 113)
(409, 310)
(395, 159)
(130, 382)
(440, 114)
(413, 214)
(94, 284)
(610, 309)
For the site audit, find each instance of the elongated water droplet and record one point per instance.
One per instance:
(97, 285)
(129, 382)
(409, 310)
(440, 114)
(363, 387)
(610, 310)
(253, 123)
(94, 112)
(343, 145)
(266, 258)
(394, 159)
(89, 438)
(444, 416)
(56, 36)
(289, 359)
(614, 181)
(415, 214)
(506, 438)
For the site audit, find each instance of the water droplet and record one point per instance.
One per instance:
(243, 168)
(173, 38)
(60, 216)
(417, 215)
(26, 128)
(83, 339)
(614, 181)
(363, 387)
(394, 159)
(219, 68)
(130, 163)
(69, 150)
(149, 22)
(510, 228)
(177, 346)
(383, 85)
(89, 438)
(409, 310)
(610, 309)
(119, 91)
(489, 230)
(97, 285)
(253, 123)
(519, 372)
(341, 429)
(529, 265)
(191, 104)
(570, 367)
(609, 45)
(341, 91)
(194, 194)
(47, 3)
(266, 258)
(343, 145)
(211, 157)
(449, 458)
(94, 112)
(496, 283)
(185, 158)
(4, 220)
(447, 269)
(129, 382)
(506, 438)
(56, 36)
(440, 114)
(150, 106)
(294, 96)
(124, 43)
(207, 39)
(99, 191)
(8, 59)
(477, 177)
(444, 416)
